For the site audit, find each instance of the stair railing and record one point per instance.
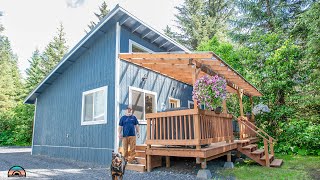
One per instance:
(267, 139)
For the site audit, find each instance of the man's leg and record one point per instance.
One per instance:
(132, 142)
(125, 147)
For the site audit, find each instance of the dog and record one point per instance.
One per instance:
(118, 166)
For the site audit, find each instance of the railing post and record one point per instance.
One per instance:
(271, 146)
(197, 129)
(148, 145)
(266, 152)
(148, 129)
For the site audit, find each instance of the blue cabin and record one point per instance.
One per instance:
(78, 105)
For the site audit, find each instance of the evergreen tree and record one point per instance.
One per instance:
(35, 72)
(307, 33)
(10, 78)
(265, 16)
(200, 20)
(104, 10)
(54, 51)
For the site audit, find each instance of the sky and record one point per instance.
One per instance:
(31, 24)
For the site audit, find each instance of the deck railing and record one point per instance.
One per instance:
(188, 127)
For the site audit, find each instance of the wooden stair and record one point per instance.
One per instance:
(251, 150)
(141, 158)
(258, 155)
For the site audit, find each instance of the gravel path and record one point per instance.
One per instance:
(44, 167)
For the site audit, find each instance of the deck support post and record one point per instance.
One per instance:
(240, 94)
(196, 119)
(229, 157)
(148, 159)
(167, 161)
(204, 163)
(224, 106)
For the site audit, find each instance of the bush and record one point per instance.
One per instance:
(16, 126)
(299, 137)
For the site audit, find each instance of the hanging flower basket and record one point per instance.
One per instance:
(210, 91)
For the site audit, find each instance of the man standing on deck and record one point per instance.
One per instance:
(127, 131)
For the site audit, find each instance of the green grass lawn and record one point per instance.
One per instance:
(293, 167)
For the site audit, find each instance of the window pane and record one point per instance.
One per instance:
(137, 49)
(150, 103)
(88, 107)
(137, 104)
(99, 105)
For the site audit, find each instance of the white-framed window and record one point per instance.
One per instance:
(190, 104)
(94, 106)
(136, 47)
(174, 103)
(143, 102)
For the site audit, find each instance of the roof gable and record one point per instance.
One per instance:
(125, 18)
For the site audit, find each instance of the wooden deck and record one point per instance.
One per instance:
(212, 150)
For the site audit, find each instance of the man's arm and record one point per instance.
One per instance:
(120, 132)
(137, 130)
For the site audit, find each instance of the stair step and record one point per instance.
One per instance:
(141, 154)
(276, 163)
(258, 152)
(254, 139)
(136, 167)
(264, 157)
(141, 147)
(251, 146)
(141, 160)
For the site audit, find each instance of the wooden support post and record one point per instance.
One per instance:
(229, 157)
(148, 159)
(240, 94)
(167, 161)
(271, 146)
(224, 106)
(204, 163)
(197, 130)
(266, 152)
(195, 74)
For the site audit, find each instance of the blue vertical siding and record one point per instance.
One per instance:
(131, 75)
(59, 107)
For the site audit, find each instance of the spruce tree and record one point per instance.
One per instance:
(35, 72)
(54, 51)
(103, 11)
(10, 78)
(199, 20)
(266, 16)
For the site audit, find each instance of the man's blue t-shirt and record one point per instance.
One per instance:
(128, 123)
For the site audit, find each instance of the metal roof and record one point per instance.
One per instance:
(125, 19)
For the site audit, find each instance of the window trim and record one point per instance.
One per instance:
(143, 121)
(133, 43)
(83, 123)
(175, 99)
(189, 103)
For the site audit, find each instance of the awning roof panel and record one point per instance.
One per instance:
(180, 66)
